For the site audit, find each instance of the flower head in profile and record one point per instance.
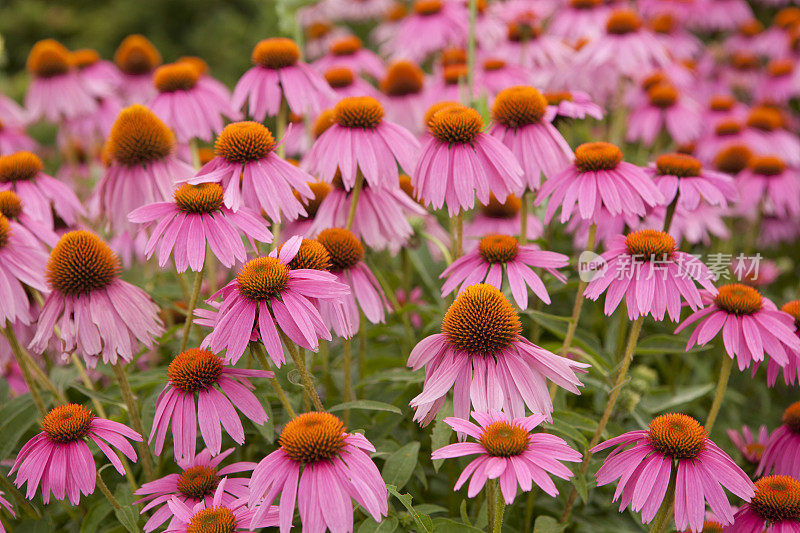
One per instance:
(573, 104)
(59, 457)
(683, 176)
(346, 83)
(644, 460)
(403, 95)
(782, 452)
(432, 25)
(22, 264)
(137, 59)
(322, 468)
(482, 357)
(665, 109)
(503, 218)
(791, 370)
(509, 452)
(749, 445)
(775, 507)
(348, 51)
(769, 181)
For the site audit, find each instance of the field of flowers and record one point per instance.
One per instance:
(439, 266)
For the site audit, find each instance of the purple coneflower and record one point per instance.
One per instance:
(404, 98)
(349, 52)
(496, 74)
(137, 59)
(346, 83)
(503, 218)
(665, 109)
(767, 179)
(782, 451)
(750, 446)
(101, 77)
(22, 263)
(573, 104)
(683, 176)
(432, 26)
(774, 508)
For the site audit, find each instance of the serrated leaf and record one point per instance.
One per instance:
(423, 521)
(400, 465)
(367, 405)
(547, 524)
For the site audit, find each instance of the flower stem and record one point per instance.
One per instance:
(195, 153)
(578, 305)
(473, 15)
(187, 324)
(281, 122)
(458, 235)
(300, 363)
(354, 194)
(9, 334)
(670, 214)
(523, 218)
(258, 350)
(135, 418)
(348, 377)
(662, 519)
(491, 488)
(107, 493)
(531, 499)
(499, 507)
(722, 385)
(362, 349)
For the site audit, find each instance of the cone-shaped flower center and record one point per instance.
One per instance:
(276, 52)
(310, 255)
(339, 77)
(663, 23)
(738, 299)
(203, 198)
(651, 80)
(408, 188)
(481, 321)
(346, 46)
(584, 4)
(435, 108)
(67, 423)
(681, 165)
(494, 64)
(793, 308)
(10, 204)
(721, 102)
(139, 137)
(498, 248)
(323, 121)
(320, 189)
(710, 526)
(791, 417)
(263, 278)
(80, 263)
(787, 18)
(454, 74)
(318, 29)
(456, 124)
(212, 520)
(677, 436)
(453, 56)
(556, 97)
(195, 370)
(756, 449)
(242, 142)
(764, 118)
(521, 31)
(427, 7)
(623, 21)
(402, 78)
(745, 61)
(777, 499)
(136, 55)
(396, 12)
(343, 246)
(179, 76)
(198, 482)
(662, 95)
(767, 165)
(358, 112)
(504, 439)
(312, 437)
(19, 166)
(5, 230)
(597, 156)
(48, 58)
(733, 159)
(751, 28)
(650, 244)
(727, 127)
(85, 57)
(519, 106)
(780, 67)
(495, 209)
(197, 63)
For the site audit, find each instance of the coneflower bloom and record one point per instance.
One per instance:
(723, 106)
(540, 53)
(579, 20)
(749, 445)
(142, 166)
(481, 355)
(768, 180)
(523, 123)
(459, 161)
(450, 84)
(346, 83)
(643, 461)
(219, 388)
(647, 269)
(191, 109)
(509, 452)
(137, 58)
(751, 325)
(765, 132)
(59, 457)
(695, 226)
(197, 482)
(573, 104)
(780, 83)
(502, 218)
(774, 507)
(496, 253)
(597, 179)
(279, 74)
(302, 226)
(665, 109)
(671, 31)
(56, 92)
(266, 293)
(349, 52)
(791, 370)
(347, 264)
(724, 133)
(23, 173)
(205, 79)
(320, 467)
(97, 313)
(22, 262)
(683, 176)
(782, 452)
(432, 26)
(252, 174)
(732, 159)
(721, 15)
(102, 78)
(197, 217)
(361, 141)
(496, 74)
(404, 98)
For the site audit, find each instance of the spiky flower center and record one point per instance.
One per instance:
(456, 124)
(276, 52)
(311, 254)
(199, 65)
(435, 108)
(136, 55)
(764, 118)
(242, 142)
(67, 423)
(85, 57)
(19, 166)
(506, 210)
(777, 499)
(623, 21)
(81, 263)
(677, 436)
(663, 23)
(138, 137)
(721, 102)
(455, 74)
(358, 112)
(198, 482)
(733, 159)
(343, 246)
(744, 61)
(453, 56)
(662, 95)
(402, 79)
(339, 77)
(793, 308)
(791, 417)
(519, 106)
(195, 370)
(751, 28)
(523, 31)
(727, 128)
(650, 245)
(179, 76)
(346, 46)
(738, 299)
(767, 165)
(498, 248)
(481, 321)
(10, 204)
(494, 64)
(320, 189)
(780, 67)
(199, 199)
(595, 156)
(681, 165)
(556, 97)
(504, 439)
(5, 230)
(312, 437)
(263, 278)
(710, 526)
(323, 121)
(212, 520)
(584, 4)
(48, 58)
(426, 8)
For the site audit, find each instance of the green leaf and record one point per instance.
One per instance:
(581, 484)
(661, 344)
(94, 517)
(424, 522)
(400, 465)
(128, 517)
(446, 525)
(658, 402)
(547, 524)
(576, 420)
(369, 405)
(557, 325)
(16, 417)
(440, 436)
(387, 525)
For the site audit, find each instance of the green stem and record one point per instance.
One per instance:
(258, 350)
(473, 15)
(187, 325)
(195, 153)
(348, 377)
(354, 195)
(528, 516)
(499, 508)
(490, 489)
(9, 334)
(458, 237)
(670, 214)
(281, 122)
(135, 418)
(107, 493)
(578, 305)
(665, 512)
(523, 218)
(722, 385)
(300, 363)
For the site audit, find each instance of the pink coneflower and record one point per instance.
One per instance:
(751, 325)
(648, 270)
(509, 452)
(579, 20)
(780, 83)
(540, 53)
(769, 182)
(782, 452)
(495, 75)
(198, 481)
(219, 388)
(321, 467)
(486, 265)
(196, 217)
(774, 507)
(267, 292)
(573, 104)
(97, 313)
(22, 262)
(23, 173)
(522, 121)
(673, 35)
(750, 446)
(349, 52)
(765, 132)
(253, 175)
(721, 15)
(481, 355)
(345, 83)
(723, 106)
(695, 226)
(644, 461)
(791, 370)
(683, 176)
(279, 74)
(60, 459)
(137, 58)
(205, 79)
(666, 109)
(459, 161)
(450, 83)
(302, 226)
(432, 26)
(502, 218)
(598, 179)
(723, 135)
(102, 78)
(404, 98)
